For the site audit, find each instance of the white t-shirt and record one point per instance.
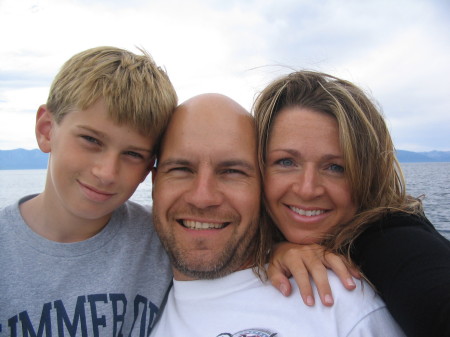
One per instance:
(241, 305)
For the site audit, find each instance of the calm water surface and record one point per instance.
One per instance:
(433, 181)
(429, 179)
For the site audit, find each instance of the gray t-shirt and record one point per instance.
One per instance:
(109, 285)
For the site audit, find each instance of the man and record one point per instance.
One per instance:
(206, 199)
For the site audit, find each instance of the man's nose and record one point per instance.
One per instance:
(204, 191)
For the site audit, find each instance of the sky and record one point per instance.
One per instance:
(397, 51)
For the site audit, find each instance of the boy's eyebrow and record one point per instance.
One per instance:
(88, 128)
(103, 135)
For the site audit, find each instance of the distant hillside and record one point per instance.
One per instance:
(20, 159)
(416, 157)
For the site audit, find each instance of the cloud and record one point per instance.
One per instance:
(398, 51)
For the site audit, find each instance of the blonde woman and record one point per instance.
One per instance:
(331, 178)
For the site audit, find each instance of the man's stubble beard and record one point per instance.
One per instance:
(238, 254)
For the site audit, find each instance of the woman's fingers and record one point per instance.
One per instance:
(306, 262)
(341, 268)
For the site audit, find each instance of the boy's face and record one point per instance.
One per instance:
(95, 164)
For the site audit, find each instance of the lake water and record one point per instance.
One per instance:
(429, 179)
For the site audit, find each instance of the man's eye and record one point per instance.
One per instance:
(179, 169)
(233, 171)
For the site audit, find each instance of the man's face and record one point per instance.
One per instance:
(206, 193)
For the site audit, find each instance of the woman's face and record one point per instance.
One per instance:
(306, 188)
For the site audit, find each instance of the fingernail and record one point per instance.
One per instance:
(328, 299)
(350, 282)
(283, 289)
(309, 301)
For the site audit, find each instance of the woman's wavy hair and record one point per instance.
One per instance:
(374, 174)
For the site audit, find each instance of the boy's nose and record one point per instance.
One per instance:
(107, 168)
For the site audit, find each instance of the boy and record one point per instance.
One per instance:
(79, 259)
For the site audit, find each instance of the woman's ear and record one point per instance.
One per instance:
(44, 125)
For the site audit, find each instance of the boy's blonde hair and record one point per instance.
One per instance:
(136, 91)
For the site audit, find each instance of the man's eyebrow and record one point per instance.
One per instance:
(174, 161)
(239, 163)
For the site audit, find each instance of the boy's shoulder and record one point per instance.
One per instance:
(134, 209)
(11, 213)
(133, 214)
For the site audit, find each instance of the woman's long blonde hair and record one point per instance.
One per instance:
(374, 174)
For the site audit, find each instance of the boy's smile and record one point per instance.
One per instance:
(95, 194)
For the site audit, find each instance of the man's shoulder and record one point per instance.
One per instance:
(362, 298)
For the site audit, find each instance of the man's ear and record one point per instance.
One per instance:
(154, 169)
(43, 128)
(149, 169)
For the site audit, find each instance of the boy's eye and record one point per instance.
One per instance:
(90, 139)
(134, 154)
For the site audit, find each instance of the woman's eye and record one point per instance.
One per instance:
(285, 162)
(336, 168)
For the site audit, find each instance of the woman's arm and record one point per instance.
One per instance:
(305, 261)
(403, 256)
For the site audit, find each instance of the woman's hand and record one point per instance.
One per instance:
(302, 261)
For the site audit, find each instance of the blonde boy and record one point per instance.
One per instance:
(79, 259)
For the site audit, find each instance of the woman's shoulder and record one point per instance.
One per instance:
(408, 261)
(402, 219)
(396, 227)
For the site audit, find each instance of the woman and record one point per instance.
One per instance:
(331, 177)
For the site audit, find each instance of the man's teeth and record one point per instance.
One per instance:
(306, 213)
(202, 225)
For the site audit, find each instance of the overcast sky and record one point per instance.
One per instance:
(399, 51)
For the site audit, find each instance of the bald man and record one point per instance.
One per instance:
(206, 202)
(207, 188)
